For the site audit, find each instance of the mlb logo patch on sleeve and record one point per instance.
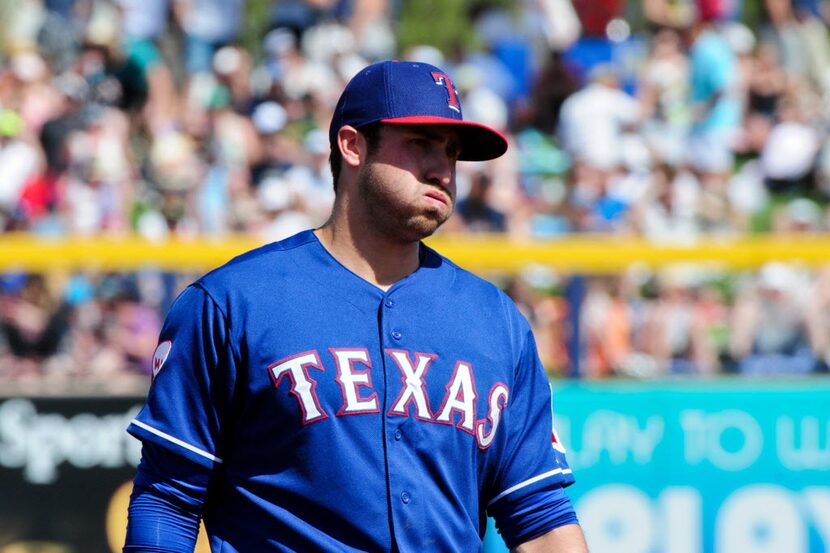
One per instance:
(160, 356)
(556, 443)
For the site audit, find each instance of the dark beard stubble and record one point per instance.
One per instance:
(392, 215)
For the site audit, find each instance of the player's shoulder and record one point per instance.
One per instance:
(263, 264)
(477, 290)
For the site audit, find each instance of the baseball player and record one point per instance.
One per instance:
(349, 389)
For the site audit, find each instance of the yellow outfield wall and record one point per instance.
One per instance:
(485, 253)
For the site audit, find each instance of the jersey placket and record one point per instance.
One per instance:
(405, 502)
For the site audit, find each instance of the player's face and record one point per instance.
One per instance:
(407, 186)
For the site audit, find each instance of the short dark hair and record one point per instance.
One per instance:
(371, 133)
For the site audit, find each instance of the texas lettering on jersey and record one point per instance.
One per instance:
(359, 397)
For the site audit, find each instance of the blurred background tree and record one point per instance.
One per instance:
(443, 24)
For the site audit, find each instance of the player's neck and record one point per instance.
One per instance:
(379, 261)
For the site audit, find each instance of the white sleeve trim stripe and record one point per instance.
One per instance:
(528, 482)
(177, 441)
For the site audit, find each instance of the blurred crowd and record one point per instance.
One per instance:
(672, 120)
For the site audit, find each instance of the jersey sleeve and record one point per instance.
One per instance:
(530, 458)
(193, 380)
(531, 516)
(166, 504)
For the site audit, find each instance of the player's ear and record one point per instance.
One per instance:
(352, 145)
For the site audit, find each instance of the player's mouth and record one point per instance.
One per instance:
(439, 196)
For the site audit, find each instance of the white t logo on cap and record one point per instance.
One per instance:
(444, 80)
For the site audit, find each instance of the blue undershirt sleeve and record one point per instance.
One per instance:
(522, 519)
(166, 504)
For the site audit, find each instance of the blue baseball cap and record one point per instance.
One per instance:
(412, 93)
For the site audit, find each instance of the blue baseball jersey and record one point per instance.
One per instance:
(337, 416)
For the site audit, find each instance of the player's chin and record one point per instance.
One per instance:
(425, 225)
(438, 210)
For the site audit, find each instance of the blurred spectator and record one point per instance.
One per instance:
(233, 138)
(113, 332)
(554, 82)
(66, 116)
(134, 328)
(593, 120)
(115, 79)
(557, 21)
(789, 154)
(26, 87)
(799, 215)
(818, 318)
(482, 102)
(801, 37)
(594, 123)
(663, 92)
(34, 321)
(681, 329)
(279, 149)
(207, 25)
(595, 16)
(668, 210)
(96, 191)
(769, 325)
(539, 207)
(19, 162)
(715, 106)
(767, 82)
(174, 168)
(609, 324)
(370, 24)
(536, 293)
(21, 23)
(318, 187)
(300, 15)
(766, 87)
(143, 23)
(282, 209)
(475, 213)
(232, 68)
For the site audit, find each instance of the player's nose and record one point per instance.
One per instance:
(440, 170)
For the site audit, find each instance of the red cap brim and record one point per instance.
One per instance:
(478, 142)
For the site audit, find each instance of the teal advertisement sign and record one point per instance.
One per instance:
(702, 466)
